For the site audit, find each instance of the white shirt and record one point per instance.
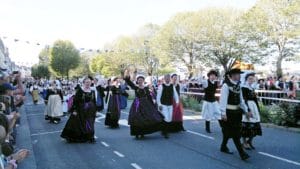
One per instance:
(159, 94)
(224, 99)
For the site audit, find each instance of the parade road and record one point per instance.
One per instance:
(116, 149)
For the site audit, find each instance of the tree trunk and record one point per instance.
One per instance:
(279, 66)
(150, 71)
(190, 71)
(191, 65)
(279, 60)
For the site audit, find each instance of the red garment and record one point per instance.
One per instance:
(177, 112)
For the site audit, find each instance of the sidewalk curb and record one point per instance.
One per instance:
(267, 125)
(283, 128)
(24, 141)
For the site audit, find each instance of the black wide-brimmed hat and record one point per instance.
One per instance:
(174, 74)
(249, 74)
(140, 77)
(212, 72)
(234, 71)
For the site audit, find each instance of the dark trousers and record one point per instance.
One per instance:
(236, 141)
(231, 129)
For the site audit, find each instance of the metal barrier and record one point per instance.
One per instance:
(269, 96)
(265, 100)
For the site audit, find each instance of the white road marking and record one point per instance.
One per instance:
(39, 102)
(136, 166)
(124, 112)
(44, 133)
(202, 135)
(119, 154)
(123, 122)
(105, 144)
(101, 116)
(194, 117)
(279, 158)
(36, 114)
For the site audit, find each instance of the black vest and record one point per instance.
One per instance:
(248, 94)
(234, 93)
(167, 95)
(281, 84)
(210, 91)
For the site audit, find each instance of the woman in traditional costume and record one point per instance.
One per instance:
(35, 93)
(210, 109)
(250, 125)
(54, 100)
(80, 126)
(124, 95)
(113, 99)
(100, 95)
(177, 118)
(144, 118)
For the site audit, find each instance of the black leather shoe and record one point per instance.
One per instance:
(93, 140)
(165, 134)
(245, 156)
(47, 117)
(226, 150)
(208, 131)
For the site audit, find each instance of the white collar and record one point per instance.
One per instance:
(246, 85)
(90, 89)
(212, 81)
(234, 82)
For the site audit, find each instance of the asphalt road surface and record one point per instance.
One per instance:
(116, 149)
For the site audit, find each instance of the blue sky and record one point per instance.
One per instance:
(87, 23)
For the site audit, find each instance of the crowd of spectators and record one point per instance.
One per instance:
(12, 96)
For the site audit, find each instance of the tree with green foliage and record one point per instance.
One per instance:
(179, 39)
(44, 56)
(64, 57)
(40, 71)
(84, 66)
(277, 24)
(220, 36)
(146, 38)
(99, 65)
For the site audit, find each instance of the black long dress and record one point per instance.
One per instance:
(144, 118)
(80, 127)
(100, 98)
(251, 127)
(113, 110)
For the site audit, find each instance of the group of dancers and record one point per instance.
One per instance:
(237, 110)
(161, 110)
(151, 111)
